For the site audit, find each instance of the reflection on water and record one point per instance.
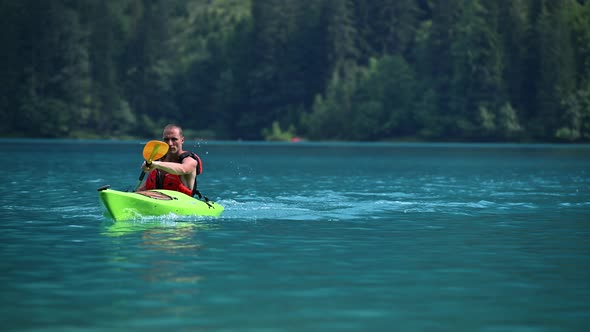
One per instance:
(175, 241)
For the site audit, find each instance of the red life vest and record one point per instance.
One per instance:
(170, 181)
(158, 179)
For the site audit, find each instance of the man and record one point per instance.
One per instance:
(175, 171)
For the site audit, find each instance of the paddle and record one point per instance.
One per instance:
(153, 150)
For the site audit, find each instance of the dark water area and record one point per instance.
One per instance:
(314, 237)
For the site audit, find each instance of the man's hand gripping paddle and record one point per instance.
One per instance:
(153, 150)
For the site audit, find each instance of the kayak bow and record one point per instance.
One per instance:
(132, 205)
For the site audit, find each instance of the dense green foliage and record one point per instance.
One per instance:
(464, 70)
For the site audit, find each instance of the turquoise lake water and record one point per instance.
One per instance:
(315, 237)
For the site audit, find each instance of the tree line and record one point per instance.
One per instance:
(362, 70)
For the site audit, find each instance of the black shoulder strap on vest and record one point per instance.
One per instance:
(195, 157)
(199, 171)
(159, 179)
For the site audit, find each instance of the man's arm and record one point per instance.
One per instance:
(188, 166)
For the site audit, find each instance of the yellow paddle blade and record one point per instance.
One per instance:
(154, 150)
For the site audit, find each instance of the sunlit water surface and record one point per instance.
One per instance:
(315, 237)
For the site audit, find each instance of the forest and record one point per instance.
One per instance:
(321, 70)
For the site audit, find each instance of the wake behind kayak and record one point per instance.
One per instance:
(123, 206)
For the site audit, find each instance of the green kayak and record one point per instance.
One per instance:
(123, 206)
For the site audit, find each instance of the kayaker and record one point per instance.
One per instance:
(177, 170)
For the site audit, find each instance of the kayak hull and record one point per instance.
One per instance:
(123, 206)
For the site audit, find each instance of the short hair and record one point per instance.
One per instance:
(171, 126)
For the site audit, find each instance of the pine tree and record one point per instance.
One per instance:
(557, 77)
(149, 62)
(341, 38)
(56, 81)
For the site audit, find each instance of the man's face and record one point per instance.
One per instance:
(174, 140)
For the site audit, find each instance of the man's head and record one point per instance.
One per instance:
(172, 136)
